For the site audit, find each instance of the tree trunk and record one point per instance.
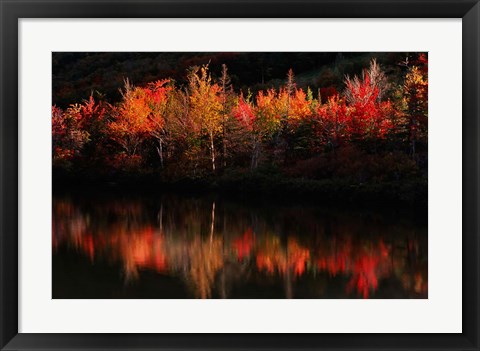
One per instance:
(160, 152)
(414, 136)
(288, 277)
(160, 217)
(254, 161)
(212, 149)
(224, 150)
(212, 224)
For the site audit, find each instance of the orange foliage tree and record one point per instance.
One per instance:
(131, 122)
(157, 98)
(187, 124)
(416, 98)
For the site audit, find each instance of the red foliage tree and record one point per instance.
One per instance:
(368, 117)
(332, 127)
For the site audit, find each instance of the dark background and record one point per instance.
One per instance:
(77, 74)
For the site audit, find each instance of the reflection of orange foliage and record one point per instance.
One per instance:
(125, 236)
(421, 286)
(206, 260)
(144, 250)
(272, 257)
(297, 257)
(139, 247)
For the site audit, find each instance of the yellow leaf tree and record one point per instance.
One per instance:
(206, 105)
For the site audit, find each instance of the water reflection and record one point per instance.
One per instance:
(212, 248)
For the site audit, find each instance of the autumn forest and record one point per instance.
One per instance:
(367, 128)
(240, 175)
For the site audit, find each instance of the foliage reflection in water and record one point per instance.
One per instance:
(207, 247)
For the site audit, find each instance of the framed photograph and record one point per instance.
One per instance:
(239, 175)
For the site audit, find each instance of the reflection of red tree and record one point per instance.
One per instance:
(336, 259)
(364, 275)
(365, 262)
(371, 263)
(243, 245)
(89, 245)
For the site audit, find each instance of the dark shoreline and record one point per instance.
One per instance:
(412, 193)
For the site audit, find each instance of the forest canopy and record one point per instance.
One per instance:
(355, 117)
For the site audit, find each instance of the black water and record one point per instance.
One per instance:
(176, 246)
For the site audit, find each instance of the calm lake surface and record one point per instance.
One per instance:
(177, 246)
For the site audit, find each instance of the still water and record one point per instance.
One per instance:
(173, 246)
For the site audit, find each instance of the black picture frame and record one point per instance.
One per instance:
(11, 11)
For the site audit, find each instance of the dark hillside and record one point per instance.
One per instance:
(77, 75)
